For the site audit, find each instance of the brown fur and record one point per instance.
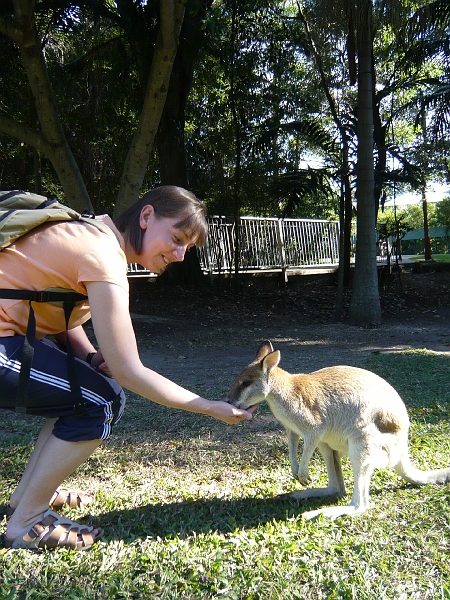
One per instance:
(386, 424)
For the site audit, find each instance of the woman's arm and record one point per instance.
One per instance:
(79, 341)
(82, 347)
(117, 341)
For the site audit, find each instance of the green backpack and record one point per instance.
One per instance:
(20, 212)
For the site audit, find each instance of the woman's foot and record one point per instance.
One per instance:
(52, 531)
(62, 496)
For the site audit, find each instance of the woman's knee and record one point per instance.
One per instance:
(96, 422)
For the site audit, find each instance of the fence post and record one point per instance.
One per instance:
(207, 255)
(280, 240)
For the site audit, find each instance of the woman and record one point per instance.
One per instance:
(154, 232)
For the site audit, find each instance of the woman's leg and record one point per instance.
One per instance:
(43, 437)
(65, 442)
(56, 461)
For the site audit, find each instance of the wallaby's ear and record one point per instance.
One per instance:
(264, 350)
(271, 361)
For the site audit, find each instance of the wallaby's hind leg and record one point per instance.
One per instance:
(333, 462)
(363, 467)
(336, 486)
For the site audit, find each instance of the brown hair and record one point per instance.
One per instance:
(168, 201)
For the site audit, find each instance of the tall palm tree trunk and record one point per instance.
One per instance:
(365, 307)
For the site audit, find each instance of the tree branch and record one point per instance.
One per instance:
(172, 14)
(9, 29)
(24, 133)
(51, 139)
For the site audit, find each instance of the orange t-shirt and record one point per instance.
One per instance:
(61, 255)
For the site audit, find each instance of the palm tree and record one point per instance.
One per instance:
(365, 308)
(352, 20)
(426, 39)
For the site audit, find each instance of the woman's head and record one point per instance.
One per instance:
(168, 202)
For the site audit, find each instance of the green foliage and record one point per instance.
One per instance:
(246, 86)
(409, 217)
(16, 159)
(442, 212)
(99, 69)
(257, 106)
(98, 57)
(307, 193)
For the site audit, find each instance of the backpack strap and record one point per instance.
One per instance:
(21, 212)
(69, 300)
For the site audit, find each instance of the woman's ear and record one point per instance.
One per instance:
(147, 214)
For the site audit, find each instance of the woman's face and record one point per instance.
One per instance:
(163, 242)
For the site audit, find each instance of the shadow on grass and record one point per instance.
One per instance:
(188, 518)
(197, 517)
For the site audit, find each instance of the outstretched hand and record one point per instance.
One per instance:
(230, 414)
(98, 362)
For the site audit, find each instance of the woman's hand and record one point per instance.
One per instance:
(228, 413)
(98, 363)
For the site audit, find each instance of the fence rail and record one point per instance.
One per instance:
(266, 244)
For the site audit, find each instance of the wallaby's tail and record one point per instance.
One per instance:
(406, 470)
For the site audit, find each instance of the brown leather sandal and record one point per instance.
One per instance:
(62, 496)
(72, 498)
(54, 531)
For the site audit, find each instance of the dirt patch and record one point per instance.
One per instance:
(202, 339)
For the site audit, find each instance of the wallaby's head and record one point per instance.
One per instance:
(252, 385)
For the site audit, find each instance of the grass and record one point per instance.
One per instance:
(189, 509)
(443, 258)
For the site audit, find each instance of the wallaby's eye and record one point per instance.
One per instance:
(246, 383)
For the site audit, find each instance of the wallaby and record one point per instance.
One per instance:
(342, 411)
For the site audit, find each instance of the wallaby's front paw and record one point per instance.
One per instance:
(303, 478)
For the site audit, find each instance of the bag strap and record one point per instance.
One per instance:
(69, 299)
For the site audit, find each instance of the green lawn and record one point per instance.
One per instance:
(190, 511)
(436, 257)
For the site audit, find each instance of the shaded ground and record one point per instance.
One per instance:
(202, 339)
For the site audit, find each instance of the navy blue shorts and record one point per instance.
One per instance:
(49, 391)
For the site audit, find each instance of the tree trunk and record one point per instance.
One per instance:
(339, 306)
(346, 208)
(50, 140)
(170, 138)
(345, 225)
(238, 152)
(172, 13)
(365, 309)
(426, 232)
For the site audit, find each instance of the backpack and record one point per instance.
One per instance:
(20, 212)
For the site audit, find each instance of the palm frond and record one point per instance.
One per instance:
(310, 130)
(430, 17)
(307, 193)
